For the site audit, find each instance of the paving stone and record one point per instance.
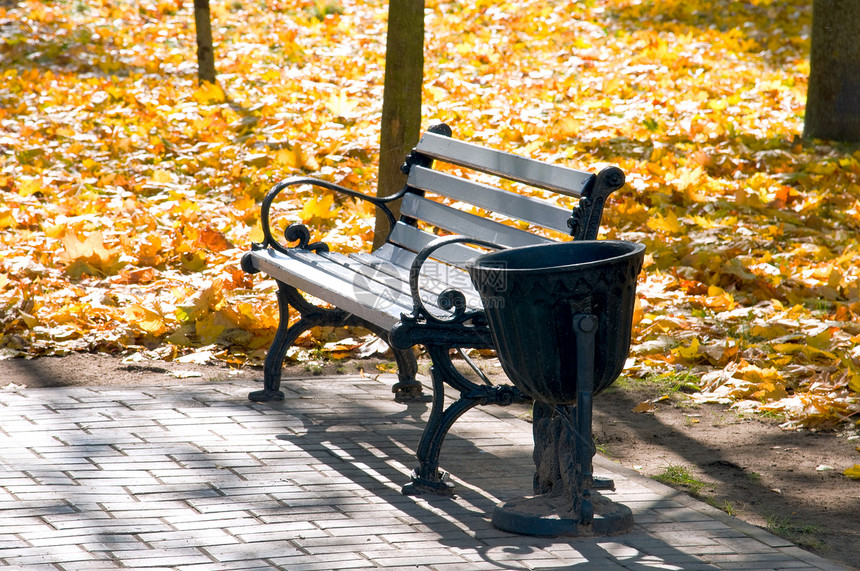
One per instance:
(37, 554)
(423, 559)
(252, 551)
(90, 565)
(474, 566)
(307, 563)
(252, 565)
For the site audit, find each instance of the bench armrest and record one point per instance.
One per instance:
(450, 299)
(298, 231)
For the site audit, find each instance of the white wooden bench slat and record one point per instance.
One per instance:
(388, 278)
(467, 224)
(415, 240)
(377, 275)
(385, 293)
(436, 277)
(379, 261)
(389, 254)
(530, 171)
(342, 293)
(508, 204)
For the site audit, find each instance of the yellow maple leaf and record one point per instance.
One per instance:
(719, 299)
(689, 352)
(703, 222)
(31, 320)
(814, 353)
(853, 472)
(88, 256)
(341, 105)
(29, 187)
(289, 158)
(319, 207)
(7, 219)
(755, 374)
(148, 320)
(209, 93)
(666, 224)
(54, 230)
(646, 406)
(162, 176)
(295, 157)
(566, 128)
(854, 382)
(209, 328)
(769, 392)
(256, 234)
(789, 348)
(768, 331)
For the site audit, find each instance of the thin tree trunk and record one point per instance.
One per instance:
(205, 51)
(833, 100)
(401, 100)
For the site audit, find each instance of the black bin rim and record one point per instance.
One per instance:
(557, 256)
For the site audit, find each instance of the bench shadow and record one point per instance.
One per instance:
(343, 443)
(35, 374)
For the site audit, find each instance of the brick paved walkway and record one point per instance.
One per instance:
(194, 476)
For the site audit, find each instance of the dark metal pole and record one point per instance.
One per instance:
(585, 327)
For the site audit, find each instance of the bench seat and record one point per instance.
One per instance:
(374, 287)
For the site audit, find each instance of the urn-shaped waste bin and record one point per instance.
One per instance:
(561, 316)
(530, 296)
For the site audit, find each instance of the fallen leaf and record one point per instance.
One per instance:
(198, 357)
(646, 406)
(88, 255)
(853, 472)
(182, 374)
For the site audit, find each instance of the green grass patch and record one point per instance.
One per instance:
(680, 476)
(803, 535)
(723, 505)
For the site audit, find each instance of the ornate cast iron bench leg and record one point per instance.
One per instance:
(406, 389)
(311, 316)
(427, 478)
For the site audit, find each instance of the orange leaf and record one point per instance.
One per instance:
(646, 406)
(214, 240)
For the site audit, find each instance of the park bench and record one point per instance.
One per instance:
(413, 290)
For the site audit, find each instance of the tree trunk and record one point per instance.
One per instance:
(833, 100)
(401, 99)
(205, 51)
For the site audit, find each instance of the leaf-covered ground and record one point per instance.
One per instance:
(129, 193)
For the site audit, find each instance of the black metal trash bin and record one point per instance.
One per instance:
(561, 316)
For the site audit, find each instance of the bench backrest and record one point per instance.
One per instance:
(422, 179)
